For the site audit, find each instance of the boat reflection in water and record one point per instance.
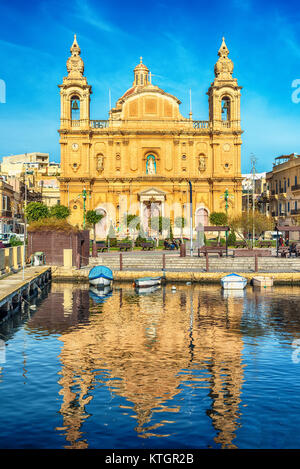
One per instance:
(147, 290)
(100, 294)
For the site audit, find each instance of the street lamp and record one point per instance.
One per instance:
(84, 197)
(191, 219)
(25, 224)
(226, 196)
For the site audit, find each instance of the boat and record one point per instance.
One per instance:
(146, 282)
(233, 282)
(261, 281)
(100, 275)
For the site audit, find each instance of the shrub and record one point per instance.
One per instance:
(52, 224)
(231, 238)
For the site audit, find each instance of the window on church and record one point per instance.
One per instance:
(225, 105)
(75, 108)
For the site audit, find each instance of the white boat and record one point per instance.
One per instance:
(233, 282)
(100, 276)
(261, 281)
(146, 282)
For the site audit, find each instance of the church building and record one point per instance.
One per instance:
(144, 158)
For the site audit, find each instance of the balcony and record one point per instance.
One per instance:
(201, 124)
(6, 214)
(99, 124)
(296, 187)
(295, 211)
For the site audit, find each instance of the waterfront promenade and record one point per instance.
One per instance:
(169, 264)
(20, 286)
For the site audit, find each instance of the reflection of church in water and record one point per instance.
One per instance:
(144, 354)
(141, 158)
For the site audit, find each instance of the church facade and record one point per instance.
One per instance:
(144, 158)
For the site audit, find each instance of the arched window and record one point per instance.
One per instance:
(75, 108)
(225, 105)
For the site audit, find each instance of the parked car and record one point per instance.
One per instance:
(19, 236)
(5, 238)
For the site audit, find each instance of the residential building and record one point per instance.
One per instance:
(258, 182)
(283, 189)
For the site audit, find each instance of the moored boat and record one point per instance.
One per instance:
(146, 282)
(100, 275)
(261, 281)
(233, 282)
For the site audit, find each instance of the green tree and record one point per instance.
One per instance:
(92, 218)
(61, 212)
(36, 211)
(218, 219)
(133, 222)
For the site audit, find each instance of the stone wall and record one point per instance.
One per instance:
(53, 243)
(11, 258)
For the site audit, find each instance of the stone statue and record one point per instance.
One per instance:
(202, 163)
(100, 163)
(150, 166)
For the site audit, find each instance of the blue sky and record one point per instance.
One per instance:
(179, 42)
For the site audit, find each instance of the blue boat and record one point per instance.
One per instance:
(100, 275)
(233, 282)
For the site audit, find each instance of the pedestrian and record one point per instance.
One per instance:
(292, 249)
(281, 241)
(287, 241)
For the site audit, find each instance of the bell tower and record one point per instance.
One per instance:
(224, 94)
(75, 93)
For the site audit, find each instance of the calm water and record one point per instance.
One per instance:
(185, 369)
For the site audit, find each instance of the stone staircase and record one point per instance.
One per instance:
(153, 261)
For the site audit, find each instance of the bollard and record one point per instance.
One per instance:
(182, 250)
(121, 261)
(206, 259)
(163, 262)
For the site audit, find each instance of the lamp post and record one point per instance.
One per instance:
(84, 197)
(226, 196)
(191, 219)
(25, 227)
